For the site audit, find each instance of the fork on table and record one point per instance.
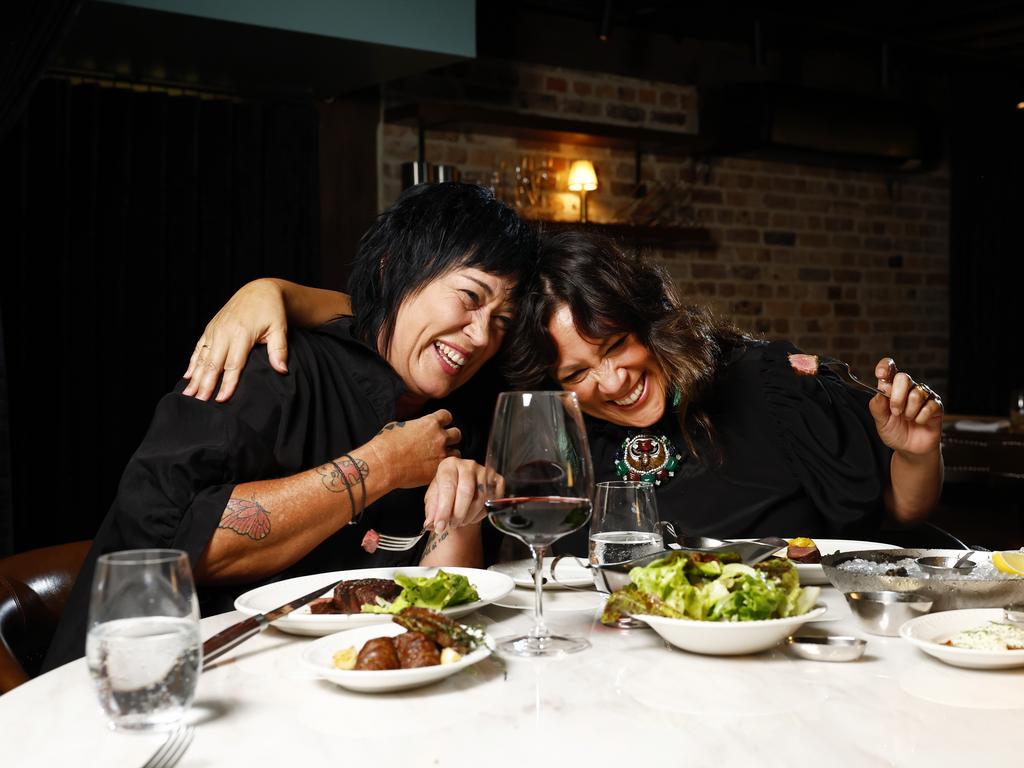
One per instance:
(173, 749)
(399, 543)
(843, 371)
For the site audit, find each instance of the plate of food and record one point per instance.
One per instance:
(417, 648)
(373, 595)
(975, 638)
(569, 572)
(806, 554)
(715, 604)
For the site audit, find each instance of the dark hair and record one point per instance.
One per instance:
(430, 230)
(609, 292)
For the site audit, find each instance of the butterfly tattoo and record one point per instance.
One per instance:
(247, 518)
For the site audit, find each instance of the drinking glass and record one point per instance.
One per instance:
(143, 647)
(624, 527)
(625, 523)
(538, 485)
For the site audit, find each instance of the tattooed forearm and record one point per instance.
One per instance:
(434, 542)
(247, 518)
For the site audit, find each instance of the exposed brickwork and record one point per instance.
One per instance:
(850, 264)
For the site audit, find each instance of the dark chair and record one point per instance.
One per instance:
(34, 587)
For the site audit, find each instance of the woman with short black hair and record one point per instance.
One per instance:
(298, 471)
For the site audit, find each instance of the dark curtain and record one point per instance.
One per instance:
(30, 33)
(986, 254)
(127, 219)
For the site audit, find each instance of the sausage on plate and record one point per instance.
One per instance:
(416, 650)
(378, 653)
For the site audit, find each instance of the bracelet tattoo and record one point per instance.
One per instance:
(246, 517)
(340, 476)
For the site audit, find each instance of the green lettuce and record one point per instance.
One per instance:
(434, 592)
(710, 588)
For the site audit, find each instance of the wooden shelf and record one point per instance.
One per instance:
(545, 128)
(631, 234)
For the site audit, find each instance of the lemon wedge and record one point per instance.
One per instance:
(1010, 561)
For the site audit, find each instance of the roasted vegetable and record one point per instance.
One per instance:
(442, 630)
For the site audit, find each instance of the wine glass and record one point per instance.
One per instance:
(624, 527)
(538, 485)
(143, 647)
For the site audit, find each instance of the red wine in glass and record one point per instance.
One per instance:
(538, 520)
(538, 488)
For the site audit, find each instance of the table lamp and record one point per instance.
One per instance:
(582, 179)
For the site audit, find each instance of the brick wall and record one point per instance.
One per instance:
(850, 264)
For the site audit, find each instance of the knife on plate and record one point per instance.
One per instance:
(241, 631)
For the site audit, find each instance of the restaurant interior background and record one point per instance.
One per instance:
(849, 178)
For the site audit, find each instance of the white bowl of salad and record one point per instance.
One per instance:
(706, 604)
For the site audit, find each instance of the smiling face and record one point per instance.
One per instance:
(447, 330)
(616, 379)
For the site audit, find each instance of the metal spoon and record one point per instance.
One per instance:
(963, 562)
(1014, 613)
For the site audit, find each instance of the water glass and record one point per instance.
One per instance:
(624, 526)
(143, 648)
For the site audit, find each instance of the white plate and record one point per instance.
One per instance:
(570, 573)
(929, 632)
(727, 638)
(554, 601)
(318, 656)
(812, 573)
(489, 585)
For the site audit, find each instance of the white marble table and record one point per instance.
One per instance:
(629, 698)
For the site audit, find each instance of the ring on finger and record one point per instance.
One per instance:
(926, 392)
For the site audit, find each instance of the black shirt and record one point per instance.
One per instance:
(792, 455)
(336, 396)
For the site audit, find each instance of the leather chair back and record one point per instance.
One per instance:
(34, 588)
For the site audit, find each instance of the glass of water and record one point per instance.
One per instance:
(624, 526)
(143, 648)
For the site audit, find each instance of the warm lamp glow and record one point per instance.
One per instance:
(582, 176)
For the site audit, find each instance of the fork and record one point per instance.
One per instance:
(843, 371)
(399, 543)
(172, 750)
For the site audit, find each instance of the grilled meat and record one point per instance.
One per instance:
(378, 653)
(416, 650)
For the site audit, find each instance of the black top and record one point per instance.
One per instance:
(336, 396)
(793, 455)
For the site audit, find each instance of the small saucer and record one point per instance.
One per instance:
(827, 647)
